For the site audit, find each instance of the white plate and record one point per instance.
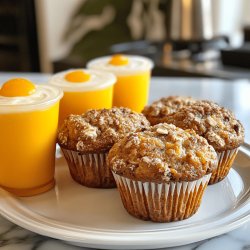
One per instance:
(96, 218)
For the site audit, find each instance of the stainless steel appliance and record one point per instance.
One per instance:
(191, 20)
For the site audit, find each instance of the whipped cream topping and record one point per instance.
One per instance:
(43, 96)
(98, 80)
(136, 64)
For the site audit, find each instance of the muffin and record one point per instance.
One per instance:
(86, 139)
(162, 172)
(220, 128)
(158, 110)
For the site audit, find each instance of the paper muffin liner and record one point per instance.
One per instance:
(164, 202)
(89, 170)
(225, 162)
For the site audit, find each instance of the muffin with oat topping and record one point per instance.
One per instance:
(86, 139)
(158, 110)
(220, 128)
(162, 172)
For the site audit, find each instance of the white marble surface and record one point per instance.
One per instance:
(231, 95)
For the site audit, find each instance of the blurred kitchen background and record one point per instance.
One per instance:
(193, 38)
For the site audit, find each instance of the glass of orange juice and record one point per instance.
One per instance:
(133, 78)
(28, 127)
(83, 89)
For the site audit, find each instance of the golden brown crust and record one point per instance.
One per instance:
(158, 110)
(97, 130)
(163, 153)
(217, 124)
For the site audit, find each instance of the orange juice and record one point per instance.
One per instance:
(133, 79)
(83, 90)
(79, 102)
(28, 127)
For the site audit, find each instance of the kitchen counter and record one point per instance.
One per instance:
(234, 95)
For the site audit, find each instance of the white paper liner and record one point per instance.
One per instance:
(161, 202)
(225, 162)
(89, 170)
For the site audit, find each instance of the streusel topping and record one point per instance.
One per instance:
(98, 130)
(158, 110)
(163, 153)
(217, 124)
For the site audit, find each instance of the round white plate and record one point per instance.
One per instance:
(96, 218)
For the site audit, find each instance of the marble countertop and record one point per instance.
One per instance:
(232, 95)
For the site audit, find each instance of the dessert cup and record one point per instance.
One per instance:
(133, 75)
(83, 89)
(28, 128)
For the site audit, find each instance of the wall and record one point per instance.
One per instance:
(246, 12)
(55, 17)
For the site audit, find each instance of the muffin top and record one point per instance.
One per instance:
(97, 130)
(217, 124)
(162, 153)
(158, 110)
